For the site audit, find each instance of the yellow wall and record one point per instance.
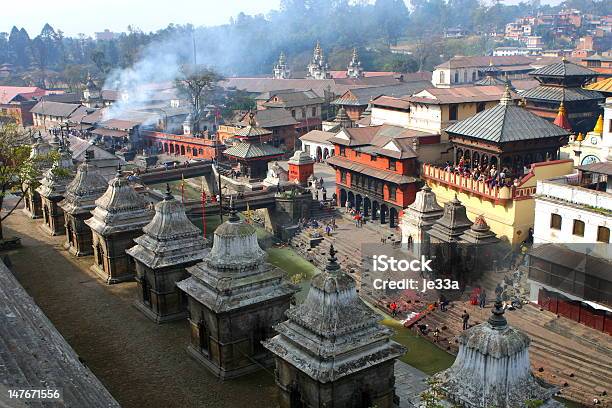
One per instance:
(510, 222)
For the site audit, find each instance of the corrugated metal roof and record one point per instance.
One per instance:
(369, 171)
(563, 68)
(247, 150)
(59, 109)
(318, 136)
(604, 85)
(506, 123)
(483, 61)
(363, 96)
(269, 118)
(558, 94)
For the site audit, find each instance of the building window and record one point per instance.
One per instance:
(480, 106)
(442, 78)
(555, 221)
(293, 113)
(314, 112)
(373, 157)
(578, 229)
(456, 77)
(474, 76)
(392, 164)
(603, 234)
(343, 176)
(342, 151)
(452, 112)
(392, 192)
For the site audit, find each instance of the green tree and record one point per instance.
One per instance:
(18, 172)
(197, 84)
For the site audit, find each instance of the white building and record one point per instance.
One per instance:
(570, 264)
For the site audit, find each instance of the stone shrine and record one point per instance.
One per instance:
(81, 193)
(118, 218)
(301, 167)
(32, 201)
(331, 352)
(169, 245)
(234, 299)
(492, 368)
(417, 219)
(51, 190)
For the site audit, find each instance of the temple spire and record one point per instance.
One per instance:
(332, 266)
(599, 125)
(506, 98)
(561, 119)
(497, 319)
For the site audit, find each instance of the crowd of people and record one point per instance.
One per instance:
(487, 173)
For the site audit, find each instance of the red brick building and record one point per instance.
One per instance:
(189, 146)
(376, 170)
(17, 101)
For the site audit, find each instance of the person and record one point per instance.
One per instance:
(482, 299)
(466, 318)
(324, 194)
(499, 289)
(436, 335)
(423, 329)
(393, 307)
(328, 230)
(443, 303)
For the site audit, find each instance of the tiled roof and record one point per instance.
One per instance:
(363, 96)
(294, 99)
(558, 94)
(392, 177)
(490, 80)
(358, 136)
(63, 110)
(318, 136)
(483, 61)
(563, 68)
(391, 102)
(8, 93)
(605, 85)
(247, 150)
(462, 94)
(269, 118)
(506, 123)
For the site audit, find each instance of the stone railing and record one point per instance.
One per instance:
(562, 188)
(467, 184)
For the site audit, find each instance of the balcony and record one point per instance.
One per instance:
(469, 185)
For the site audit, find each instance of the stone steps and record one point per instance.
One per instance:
(591, 370)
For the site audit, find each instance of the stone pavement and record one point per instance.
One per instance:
(409, 384)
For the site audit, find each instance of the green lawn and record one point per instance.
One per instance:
(421, 353)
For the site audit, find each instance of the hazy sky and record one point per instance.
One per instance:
(81, 16)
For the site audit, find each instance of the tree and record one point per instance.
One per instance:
(18, 172)
(19, 47)
(197, 84)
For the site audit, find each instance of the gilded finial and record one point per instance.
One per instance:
(580, 137)
(599, 125)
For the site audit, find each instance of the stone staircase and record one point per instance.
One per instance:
(580, 368)
(348, 253)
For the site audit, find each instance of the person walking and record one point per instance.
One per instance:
(482, 299)
(466, 318)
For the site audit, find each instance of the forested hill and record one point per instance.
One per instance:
(249, 45)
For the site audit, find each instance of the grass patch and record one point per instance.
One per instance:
(293, 264)
(421, 354)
